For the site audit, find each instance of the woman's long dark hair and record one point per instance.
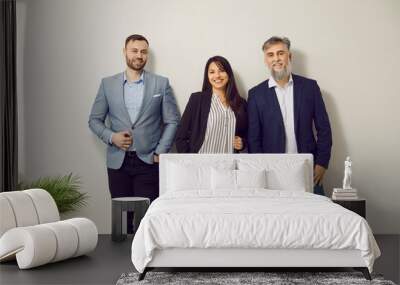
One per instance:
(232, 93)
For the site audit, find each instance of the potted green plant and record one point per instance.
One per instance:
(63, 189)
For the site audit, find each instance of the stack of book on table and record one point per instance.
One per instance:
(344, 194)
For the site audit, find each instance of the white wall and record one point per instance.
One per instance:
(350, 47)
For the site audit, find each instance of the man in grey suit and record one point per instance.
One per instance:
(143, 120)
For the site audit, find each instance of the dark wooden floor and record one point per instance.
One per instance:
(110, 260)
(102, 266)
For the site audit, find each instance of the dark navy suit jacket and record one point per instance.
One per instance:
(266, 133)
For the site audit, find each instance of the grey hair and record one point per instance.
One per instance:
(275, 40)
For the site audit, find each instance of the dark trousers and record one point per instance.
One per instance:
(135, 178)
(319, 189)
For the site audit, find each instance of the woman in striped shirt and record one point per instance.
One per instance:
(215, 119)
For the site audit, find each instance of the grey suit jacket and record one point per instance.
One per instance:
(155, 126)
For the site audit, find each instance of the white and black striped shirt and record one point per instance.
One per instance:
(220, 130)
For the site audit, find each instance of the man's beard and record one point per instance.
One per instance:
(282, 74)
(137, 66)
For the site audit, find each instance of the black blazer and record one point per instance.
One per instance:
(267, 131)
(192, 127)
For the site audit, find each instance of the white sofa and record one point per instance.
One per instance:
(31, 230)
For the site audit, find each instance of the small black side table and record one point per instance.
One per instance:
(137, 205)
(358, 206)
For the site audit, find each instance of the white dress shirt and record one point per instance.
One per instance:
(220, 131)
(285, 99)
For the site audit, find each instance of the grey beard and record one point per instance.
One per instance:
(284, 73)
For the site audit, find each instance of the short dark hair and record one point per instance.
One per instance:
(275, 40)
(136, 37)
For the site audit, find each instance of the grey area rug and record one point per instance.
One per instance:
(231, 278)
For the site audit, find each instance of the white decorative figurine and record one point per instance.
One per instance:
(347, 174)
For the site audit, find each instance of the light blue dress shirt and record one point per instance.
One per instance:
(133, 97)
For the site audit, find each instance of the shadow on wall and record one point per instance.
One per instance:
(334, 174)
(339, 148)
(299, 65)
(151, 61)
(239, 83)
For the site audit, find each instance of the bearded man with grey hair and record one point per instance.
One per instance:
(284, 110)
